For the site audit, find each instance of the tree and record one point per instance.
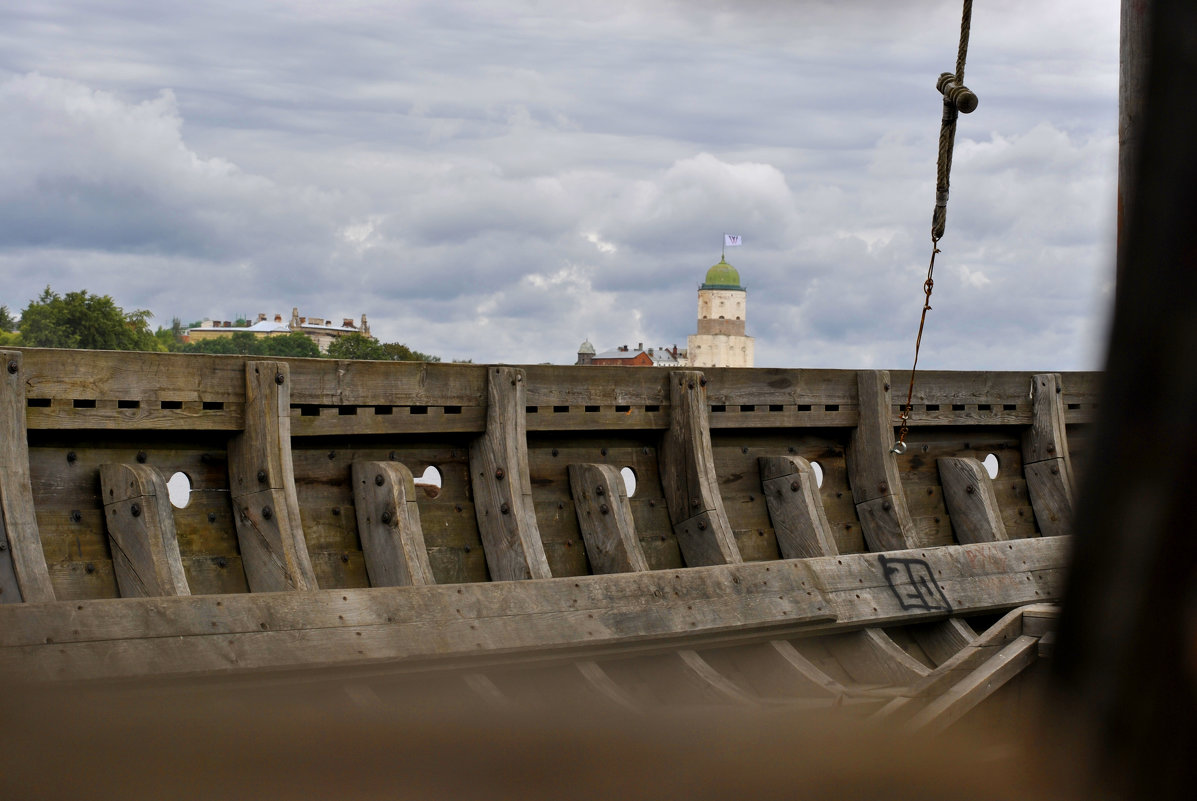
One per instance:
(246, 344)
(294, 344)
(399, 352)
(82, 320)
(7, 323)
(357, 346)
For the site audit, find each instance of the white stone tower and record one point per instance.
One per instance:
(722, 303)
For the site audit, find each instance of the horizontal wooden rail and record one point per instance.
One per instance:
(568, 616)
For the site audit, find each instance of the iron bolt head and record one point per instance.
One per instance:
(13, 367)
(499, 473)
(603, 508)
(886, 506)
(379, 480)
(71, 456)
(883, 487)
(702, 525)
(267, 513)
(76, 515)
(504, 508)
(141, 457)
(970, 489)
(386, 517)
(599, 490)
(261, 476)
(279, 378)
(795, 486)
(135, 510)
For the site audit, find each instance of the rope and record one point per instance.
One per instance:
(955, 98)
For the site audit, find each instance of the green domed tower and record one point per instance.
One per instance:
(721, 340)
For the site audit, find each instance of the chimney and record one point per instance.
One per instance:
(347, 322)
(227, 324)
(302, 320)
(278, 318)
(365, 326)
(261, 316)
(640, 346)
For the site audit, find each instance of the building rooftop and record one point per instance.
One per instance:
(722, 276)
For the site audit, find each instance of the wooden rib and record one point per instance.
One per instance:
(141, 530)
(605, 686)
(795, 507)
(388, 522)
(23, 572)
(943, 640)
(871, 657)
(605, 519)
(488, 691)
(262, 485)
(970, 500)
(873, 469)
(501, 483)
(807, 670)
(713, 679)
(1046, 462)
(688, 477)
(978, 685)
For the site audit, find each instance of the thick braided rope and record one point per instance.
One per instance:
(939, 219)
(947, 132)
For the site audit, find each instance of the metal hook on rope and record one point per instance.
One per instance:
(957, 99)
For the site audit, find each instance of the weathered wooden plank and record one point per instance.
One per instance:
(1046, 461)
(23, 572)
(117, 375)
(972, 504)
(795, 507)
(978, 685)
(688, 477)
(605, 519)
(436, 622)
(873, 471)
(550, 386)
(327, 421)
(502, 487)
(149, 416)
(388, 521)
(141, 530)
(326, 382)
(807, 670)
(262, 485)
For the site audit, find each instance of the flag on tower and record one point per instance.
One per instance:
(732, 240)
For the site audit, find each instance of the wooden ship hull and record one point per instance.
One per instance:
(774, 550)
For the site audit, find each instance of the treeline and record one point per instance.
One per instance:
(95, 322)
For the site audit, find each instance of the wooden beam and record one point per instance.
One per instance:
(795, 507)
(970, 500)
(605, 519)
(688, 476)
(141, 531)
(713, 680)
(23, 573)
(1046, 463)
(941, 641)
(602, 683)
(807, 671)
(871, 657)
(984, 681)
(873, 469)
(388, 522)
(502, 486)
(262, 485)
(437, 624)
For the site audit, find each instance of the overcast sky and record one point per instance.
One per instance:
(499, 180)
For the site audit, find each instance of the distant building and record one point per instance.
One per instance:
(721, 340)
(318, 329)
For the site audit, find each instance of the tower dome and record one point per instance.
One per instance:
(722, 276)
(586, 348)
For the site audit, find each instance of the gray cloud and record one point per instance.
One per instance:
(498, 180)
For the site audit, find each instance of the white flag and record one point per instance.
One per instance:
(732, 240)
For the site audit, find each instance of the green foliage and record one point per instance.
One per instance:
(7, 323)
(359, 346)
(83, 320)
(398, 352)
(10, 339)
(244, 343)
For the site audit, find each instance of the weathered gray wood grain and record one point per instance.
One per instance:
(1046, 462)
(688, 476)
(971, 502)
(388, 522)
(502, 487)
(262, 485)
(873, 469)
(605, 519)
(23, 572)
(795, 507)
(141, 531)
